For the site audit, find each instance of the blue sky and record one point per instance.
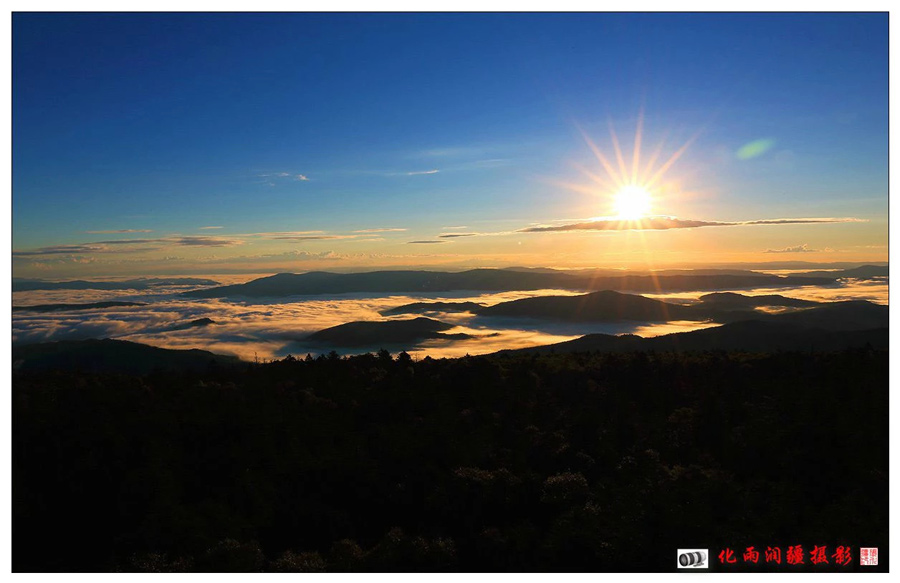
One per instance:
(160, 124)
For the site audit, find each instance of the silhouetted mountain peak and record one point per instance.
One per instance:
(731, 300)
(604, 305)
(108, 355)
(420, 307)
(379, 334)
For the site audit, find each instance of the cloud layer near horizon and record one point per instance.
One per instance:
(664, 223)
(804, 248)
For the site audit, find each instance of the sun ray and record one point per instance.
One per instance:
(653, 276)
(620, 181)
(623, 169)
(636, 183)
(636, 153)
(598, 179)
(653, 158)
(671, 160)
(581, 188)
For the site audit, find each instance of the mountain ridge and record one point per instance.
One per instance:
(406, 281)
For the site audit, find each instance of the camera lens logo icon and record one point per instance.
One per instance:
(693, 558)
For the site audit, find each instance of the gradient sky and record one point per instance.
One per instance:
(215, 143)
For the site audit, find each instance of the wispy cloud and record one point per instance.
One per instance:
(61, 250)
(380, 230)
(800, 221)
(664, 223)
(207, 228)
(296, 255)
(456, 227)
(126, 245)
(283, 175)
(192, 241)
(270, 234)
(313, 237)
(424, 242)
(200, 241)
(804, 248)
(455, 235)
(115, 231)
(422, 172)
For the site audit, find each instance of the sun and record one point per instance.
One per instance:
(632, 202)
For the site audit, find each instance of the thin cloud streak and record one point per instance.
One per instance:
(664, 223)
(60, 249)
(116, 231)
(804, 248)
(381, 230)
(104, 246)
(313, 237)
(284, 175)
(280, 234)
(191, 241)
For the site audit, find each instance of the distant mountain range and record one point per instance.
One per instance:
(64, 307)
(611, 306)
(326, 283)
(861, 272)
(136, 284)
(508, 279)
(112, 356)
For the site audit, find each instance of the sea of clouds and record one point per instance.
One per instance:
(267, 329)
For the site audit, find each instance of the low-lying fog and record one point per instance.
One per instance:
(271, 329)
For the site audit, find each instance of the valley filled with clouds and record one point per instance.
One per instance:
(269, 328)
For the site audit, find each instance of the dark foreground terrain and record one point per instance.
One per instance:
(518, 462)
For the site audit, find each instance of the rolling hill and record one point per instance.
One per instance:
(109, 355)
(749, 336)
(601, 306)
(403, 333)
(734, 301)
(423, 307)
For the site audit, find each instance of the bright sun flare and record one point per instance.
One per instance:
(632, 202)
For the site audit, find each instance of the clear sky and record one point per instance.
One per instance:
(204, 143)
